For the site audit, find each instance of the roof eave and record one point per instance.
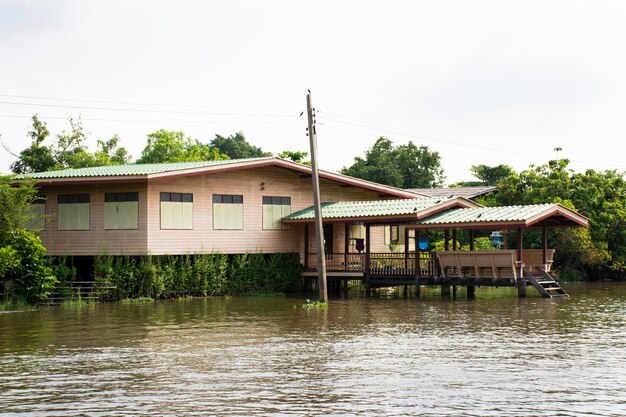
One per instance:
(560, 210)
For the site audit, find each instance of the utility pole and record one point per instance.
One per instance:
(319, 229)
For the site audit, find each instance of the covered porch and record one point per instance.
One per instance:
(413, 263)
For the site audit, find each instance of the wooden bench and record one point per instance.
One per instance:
(494, 264)
(533, 258)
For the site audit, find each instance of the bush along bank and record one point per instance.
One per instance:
(167, 276)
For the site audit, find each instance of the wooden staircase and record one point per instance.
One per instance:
(545, 283)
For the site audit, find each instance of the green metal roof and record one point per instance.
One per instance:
(130, 169)
(519, 213)
(356, 209)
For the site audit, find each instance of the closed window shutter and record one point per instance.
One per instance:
(37, 214)
(73, 216)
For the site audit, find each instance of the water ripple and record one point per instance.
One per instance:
(496, 356)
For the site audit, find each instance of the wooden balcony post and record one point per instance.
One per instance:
(544, 238)
(406, 249)
(306, 247)
(418, 254)
(454, 239)
(366, 273)
(471, 239)
(446, 238)
(346, 247)
(521, 281)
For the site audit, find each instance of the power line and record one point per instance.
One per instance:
(148, 110)
(90, 119)
(464, 152)
(131, 103)
(429, 138)
(437, 139)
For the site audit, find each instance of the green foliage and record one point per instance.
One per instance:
(37, 157)
(295, 156)
(597, 195)
(491, 175)
(403, 166)
(315, 305)
(65, 275)
(487, 175)
(12, 305)
(31, 278)
(123, 277)
(9, 259)
(15, 202)
(68, 151)
(237, 147)
(172, 146)
(109, 153)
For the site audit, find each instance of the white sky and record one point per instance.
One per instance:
(481, 82)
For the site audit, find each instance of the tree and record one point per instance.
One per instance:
(108, 153)
(597, 195)
(487, 175)
(37, 157)
(23, 263)
(68, 151)
(237, 147)
(15, 203)
(295, 156)
(22, 260)
(491, 175)
(172, 146)
(404, 166)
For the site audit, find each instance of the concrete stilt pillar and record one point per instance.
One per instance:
(445, 291)
(471, 292)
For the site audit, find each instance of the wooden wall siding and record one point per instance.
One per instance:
(150, 238)
(376, 234)
(253, 185)
(96, 240)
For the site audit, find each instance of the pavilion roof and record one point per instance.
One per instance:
(380, 210)
(553, 215)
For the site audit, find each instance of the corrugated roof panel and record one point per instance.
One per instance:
(350, 209)
(129, 170)
(488, 214)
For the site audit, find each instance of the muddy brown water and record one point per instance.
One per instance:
(240, 356)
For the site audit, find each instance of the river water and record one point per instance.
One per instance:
(495, 355)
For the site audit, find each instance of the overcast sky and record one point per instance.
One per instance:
(480, 82)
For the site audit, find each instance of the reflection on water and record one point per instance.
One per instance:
(496, 355)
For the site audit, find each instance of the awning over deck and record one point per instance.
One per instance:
(381, 211)
(443, 213)
(505, 217)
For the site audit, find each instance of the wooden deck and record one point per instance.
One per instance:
(497, 268)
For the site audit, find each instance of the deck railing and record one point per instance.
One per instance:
(339, 262)
(380, 264)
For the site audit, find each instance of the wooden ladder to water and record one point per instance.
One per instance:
(545, 283)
